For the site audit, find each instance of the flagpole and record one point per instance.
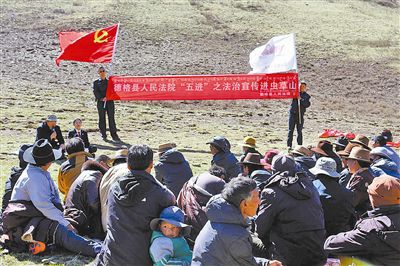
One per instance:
(112, 59)
(298, 85)
(114, 49)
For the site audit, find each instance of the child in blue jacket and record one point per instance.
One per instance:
(168, 246)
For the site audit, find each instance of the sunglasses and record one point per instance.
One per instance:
(100, 71)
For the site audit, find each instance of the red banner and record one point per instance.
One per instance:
(204, 87)
(94, 47)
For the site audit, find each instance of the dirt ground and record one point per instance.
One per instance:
(348, 52)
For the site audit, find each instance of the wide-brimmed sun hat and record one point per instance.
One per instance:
(302, 151)
(326, 166)
(120, 154)
(361, 140)
(360, 154)
(252, 158)
(41, 153)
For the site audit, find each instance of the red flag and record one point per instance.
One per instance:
(94, 47)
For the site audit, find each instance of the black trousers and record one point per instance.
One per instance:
(294, 122)
(110, 110)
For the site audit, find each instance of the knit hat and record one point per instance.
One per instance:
(384, 190)
(41, 153)
(380, 139)
(267, 160)
(282, 163)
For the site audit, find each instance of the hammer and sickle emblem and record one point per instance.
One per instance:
(102, 38)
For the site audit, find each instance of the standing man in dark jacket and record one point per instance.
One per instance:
(376, 236)
(294, 121)
(104, 106)
(336, 200)
(172, 169)
(51, 131)
(133, 201)
(222, 156)
(290, 220)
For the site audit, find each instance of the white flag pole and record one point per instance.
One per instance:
(298, 99)
(112, 58)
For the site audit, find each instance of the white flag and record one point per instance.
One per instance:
(278, 55)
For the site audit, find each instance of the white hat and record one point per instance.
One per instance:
(326, 166)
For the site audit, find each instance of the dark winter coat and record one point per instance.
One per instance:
(290, 220)
(304, 164)
(173, 170)
(44, 132)
(375, 238)
(304, 104)
(134, 200)
(10, 183)
(261, 177)
(384, 166)
(224, 240)
(100, 88)
(82, 204)
(358, 184)
(344, 178)
(228, 161)
(193, 198)
(336, 202)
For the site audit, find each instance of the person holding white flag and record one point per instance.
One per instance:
(279, 55)
(296, 115)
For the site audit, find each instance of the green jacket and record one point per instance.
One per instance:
(169, 251)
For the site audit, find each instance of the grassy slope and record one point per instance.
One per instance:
(334, 38)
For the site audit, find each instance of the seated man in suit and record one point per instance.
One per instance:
(82, 134)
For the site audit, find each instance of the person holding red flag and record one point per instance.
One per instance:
(104, 106)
